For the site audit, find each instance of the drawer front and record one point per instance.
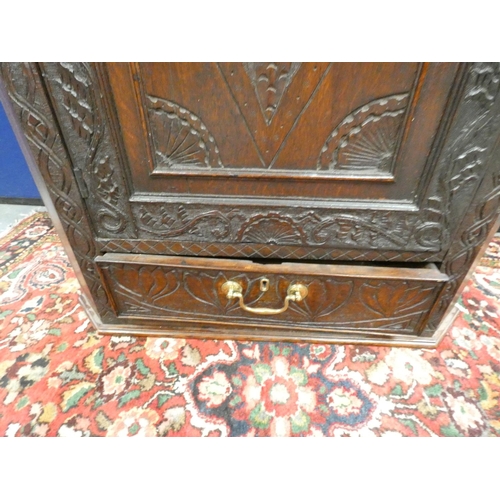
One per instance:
(348, 298)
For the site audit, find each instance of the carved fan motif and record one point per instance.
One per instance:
(366, 140)
(270, 81)
(180, 138)
(272, 229)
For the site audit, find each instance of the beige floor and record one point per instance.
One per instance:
(11, 214)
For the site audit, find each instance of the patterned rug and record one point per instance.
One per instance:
(59, 378)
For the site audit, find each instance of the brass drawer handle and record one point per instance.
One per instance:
(234, 290)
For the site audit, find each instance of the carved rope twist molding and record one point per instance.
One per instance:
(25, 89)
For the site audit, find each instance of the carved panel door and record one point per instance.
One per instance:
(286, 160)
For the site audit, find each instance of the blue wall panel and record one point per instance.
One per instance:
(15, 178)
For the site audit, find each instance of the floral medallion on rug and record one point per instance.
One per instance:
(58, 377)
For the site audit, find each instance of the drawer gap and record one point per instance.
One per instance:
(363, 263)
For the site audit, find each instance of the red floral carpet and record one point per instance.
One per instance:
(59, 378)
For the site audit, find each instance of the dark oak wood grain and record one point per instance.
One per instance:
(302, 164)
(356, 298)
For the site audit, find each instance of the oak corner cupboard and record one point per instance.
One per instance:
(323, 202)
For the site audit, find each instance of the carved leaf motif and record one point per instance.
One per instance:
(158, 284)
(146, 285)
(270, 81)
(366, 139)
(206, 288)
(104, 174)
(324, 298)
(392, 300)
(108, 218)
(352, 230)
(180, 138)
(466, 170)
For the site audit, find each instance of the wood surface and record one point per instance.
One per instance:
(301, 164)
(379, 299)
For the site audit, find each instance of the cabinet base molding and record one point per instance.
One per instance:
(263, 335)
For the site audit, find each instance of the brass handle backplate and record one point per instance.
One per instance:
(233, 290)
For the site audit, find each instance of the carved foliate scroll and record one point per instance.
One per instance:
(316, 228)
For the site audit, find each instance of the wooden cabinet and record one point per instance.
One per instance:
(340, 201)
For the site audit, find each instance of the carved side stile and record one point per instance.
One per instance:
(77, 98)
(471, 167)
(31, 106)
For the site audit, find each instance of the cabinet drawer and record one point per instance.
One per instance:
(339, 298)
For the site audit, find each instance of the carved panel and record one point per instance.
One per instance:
(270, 81)
(459, 166)
(343, 302)
(31, 106)
(365, 142)
(179, 138)
(74, 88)
(268, 103)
